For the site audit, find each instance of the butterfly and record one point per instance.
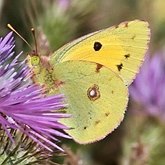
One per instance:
(94, 73)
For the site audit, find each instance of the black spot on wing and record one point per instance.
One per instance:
(133, 37)
(97, 46)
(97, 122)
(107, 114)
(98, 67)
(127, 56)
(119, 67)
(85, 127)
(126, 24)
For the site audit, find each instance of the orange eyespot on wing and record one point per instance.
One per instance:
(93, 92)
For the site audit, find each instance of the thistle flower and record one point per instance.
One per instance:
(63, 4)
(23, 106)
(149, 87)
(144, 138)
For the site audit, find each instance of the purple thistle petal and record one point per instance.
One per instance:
(149, 87)
(63, 4)
(24, 107)
(8, 40)
(4, 124)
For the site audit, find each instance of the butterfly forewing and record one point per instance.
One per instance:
(120, 48)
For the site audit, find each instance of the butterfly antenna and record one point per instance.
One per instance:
(11, 28)
(35, 41)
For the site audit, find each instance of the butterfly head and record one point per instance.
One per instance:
(41, 71)
(34, 62)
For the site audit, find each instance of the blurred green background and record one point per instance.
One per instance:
(139, 140)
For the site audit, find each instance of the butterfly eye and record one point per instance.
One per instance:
(35, 60)
(93, 92)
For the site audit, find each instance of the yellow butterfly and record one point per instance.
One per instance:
(94, 73)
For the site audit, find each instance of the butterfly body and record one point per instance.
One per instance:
(94, 72)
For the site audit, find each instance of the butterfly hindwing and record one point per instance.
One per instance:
(97, 99)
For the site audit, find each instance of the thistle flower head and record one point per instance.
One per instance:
(149, 87)
(63, 4)
(23, 106)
